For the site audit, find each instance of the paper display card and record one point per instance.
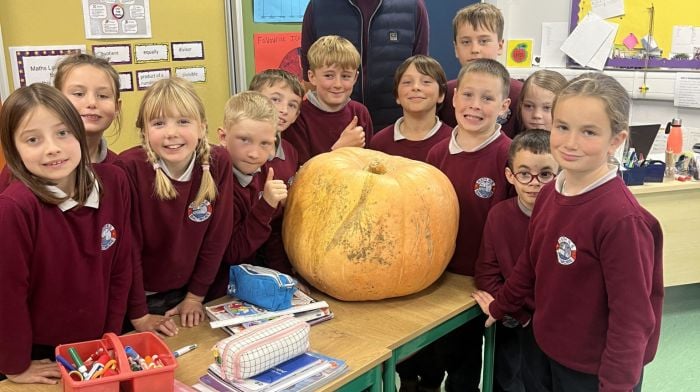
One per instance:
(687, 91)
(193, 74)
(126, 81)
(37, 64)
(115, 54)
(108, 19)
(187, 50)
(145, 79)
(519, 53)
(146, 53)
(553, 36)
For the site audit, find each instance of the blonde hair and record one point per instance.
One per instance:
(249, 105)
(333, 50)
(479, 15)
(606, 88)
(489, 67)
(21, 104)
(68, 64)
(547, 79)
(175, 96)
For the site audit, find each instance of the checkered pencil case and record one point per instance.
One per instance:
(261, 347)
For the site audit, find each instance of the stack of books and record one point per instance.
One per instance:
(306, 372)
(235, 315)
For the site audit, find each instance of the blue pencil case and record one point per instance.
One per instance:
(261, 286)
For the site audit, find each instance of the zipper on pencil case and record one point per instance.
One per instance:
(255, 270)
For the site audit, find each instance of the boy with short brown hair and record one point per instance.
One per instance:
(478, 33)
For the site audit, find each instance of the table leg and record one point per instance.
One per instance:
(489, 348)
(390, 373)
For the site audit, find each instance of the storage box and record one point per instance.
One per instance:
(654, 171)
(144, 343)
(634, 176)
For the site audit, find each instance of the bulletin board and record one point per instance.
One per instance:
(50, 22)
(667, 13)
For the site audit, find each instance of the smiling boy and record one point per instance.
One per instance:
(329, 119)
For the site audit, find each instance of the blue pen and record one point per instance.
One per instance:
(65, 363)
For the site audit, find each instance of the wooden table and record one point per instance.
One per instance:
(677, 207)
(364, 359)
(369, 336)
(407, 324)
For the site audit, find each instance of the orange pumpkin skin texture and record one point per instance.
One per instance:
(363, 225)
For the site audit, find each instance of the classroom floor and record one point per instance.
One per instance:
(676, 367)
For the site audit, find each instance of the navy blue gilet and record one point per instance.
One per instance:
(391, 41)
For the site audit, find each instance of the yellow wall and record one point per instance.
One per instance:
(667, 13)
(51, 22)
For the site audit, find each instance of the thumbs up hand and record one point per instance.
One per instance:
(275, 191)
(352, 136)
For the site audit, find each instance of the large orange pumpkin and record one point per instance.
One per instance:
(363, 225)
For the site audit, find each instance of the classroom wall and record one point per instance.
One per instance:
(523, 19)
(50, 22)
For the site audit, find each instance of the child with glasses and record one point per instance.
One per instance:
(530, 166)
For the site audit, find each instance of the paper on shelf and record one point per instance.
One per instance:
(591, 41)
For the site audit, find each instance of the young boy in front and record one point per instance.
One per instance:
(249, 134)
(286, 93)
(478, 34)
(530, 166)
(329, 119)
(474, 158)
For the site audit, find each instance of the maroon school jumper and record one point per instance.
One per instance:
(594, 264)
(315, 130)
(251, 227)
(502, 243)
(180, 244)
(273, 250)
(509, 127)
(480, 182)
(414, 149)
(64, 276)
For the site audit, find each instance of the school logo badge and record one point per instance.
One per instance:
(200, 213)
(566, 251)
(290, 181)
(484, 187)
(108, 236)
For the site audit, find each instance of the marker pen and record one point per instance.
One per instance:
(69, 367)
(78, 362)
(184, 350)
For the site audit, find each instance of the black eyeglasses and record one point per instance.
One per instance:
(542, 177)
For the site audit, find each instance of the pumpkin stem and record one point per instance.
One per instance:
(376, 167)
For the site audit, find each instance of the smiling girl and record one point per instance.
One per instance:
(66, 236)
(183, 207)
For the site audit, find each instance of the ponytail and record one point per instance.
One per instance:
(207, 187)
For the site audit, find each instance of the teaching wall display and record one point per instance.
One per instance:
(186, 39)
(675, 28)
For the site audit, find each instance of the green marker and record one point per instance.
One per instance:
(78, 362)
